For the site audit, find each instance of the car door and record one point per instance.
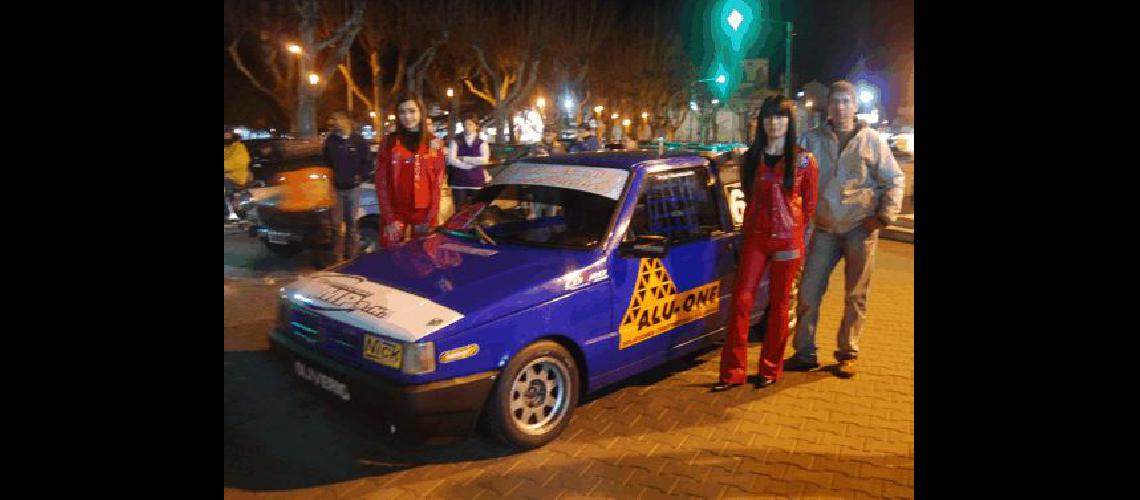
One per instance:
(679, 298)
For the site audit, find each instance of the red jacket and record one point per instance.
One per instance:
(407, 184)
(787, 217)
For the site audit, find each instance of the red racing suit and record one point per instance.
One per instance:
(774, 224)
(408, 185)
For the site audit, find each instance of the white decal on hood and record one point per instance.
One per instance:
(371, 306)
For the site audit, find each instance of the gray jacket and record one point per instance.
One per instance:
(860, 182)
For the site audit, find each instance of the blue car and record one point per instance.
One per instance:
(567, 274)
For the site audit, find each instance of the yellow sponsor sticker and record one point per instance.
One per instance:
(657, 307)
(382, 351)
(459, 353)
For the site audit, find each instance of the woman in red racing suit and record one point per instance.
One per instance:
(409, 172)
(781, 206)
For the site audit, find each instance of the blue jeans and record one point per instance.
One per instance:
(857, 248)
(348, 239)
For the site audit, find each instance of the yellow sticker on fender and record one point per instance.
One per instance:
(656, 307)
(459, 353)
(382, 351)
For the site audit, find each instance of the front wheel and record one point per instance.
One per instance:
(533, 399)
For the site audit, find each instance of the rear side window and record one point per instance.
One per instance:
(679, 205)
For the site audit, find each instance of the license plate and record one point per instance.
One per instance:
(322, 380)
(278, 237)
(382, 351)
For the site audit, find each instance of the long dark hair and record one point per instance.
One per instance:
(775, 106)
(403, 132)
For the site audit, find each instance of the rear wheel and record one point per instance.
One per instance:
(286, 250)
(533, 399)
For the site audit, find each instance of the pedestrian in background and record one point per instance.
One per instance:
(346, 152)
(466, 156)
(783, 204)
(409, 175)
(235, 172)
(550, 144)
(860, 191)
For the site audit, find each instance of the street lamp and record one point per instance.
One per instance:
(625, 122)
(614, 116)
(715, 102)
(541, 103)
(392, 118)
(866, 96)
(809, 104)
(645, 115)
(294, 49)
(720, 79)
(450, 92)
(372, 114)
(314, 78)
(599, 109)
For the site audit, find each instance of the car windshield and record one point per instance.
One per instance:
(562, 206)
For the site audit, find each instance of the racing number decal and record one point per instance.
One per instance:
(655, 306)
(736, 204)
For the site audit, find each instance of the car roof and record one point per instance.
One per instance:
(626, 160)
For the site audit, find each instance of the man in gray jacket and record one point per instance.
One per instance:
(860, 191)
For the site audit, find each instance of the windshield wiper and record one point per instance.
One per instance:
(459, 234)
(475, 232)
(483, 235)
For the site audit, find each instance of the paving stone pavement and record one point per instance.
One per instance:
(661, 434)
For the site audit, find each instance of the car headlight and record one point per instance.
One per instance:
(419, 358)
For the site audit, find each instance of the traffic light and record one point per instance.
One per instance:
(734, 32)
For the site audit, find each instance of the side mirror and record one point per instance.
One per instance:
(647, 245)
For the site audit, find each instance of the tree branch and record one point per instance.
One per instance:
(487, 72)
(355, 89)
(478, 93)
(348, 29)
(232, 49)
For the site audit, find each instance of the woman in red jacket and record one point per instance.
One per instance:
(409, 170)
(781, 206)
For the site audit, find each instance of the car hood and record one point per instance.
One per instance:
(441, 282)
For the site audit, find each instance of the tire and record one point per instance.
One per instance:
(323, 258)
(532, 401)
(284, 251)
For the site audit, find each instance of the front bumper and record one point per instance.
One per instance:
(309, 228)
(445, 408)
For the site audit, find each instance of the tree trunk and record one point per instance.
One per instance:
(377, 106)
(503, 134)
(306, 125)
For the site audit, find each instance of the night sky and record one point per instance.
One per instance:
(831, 35)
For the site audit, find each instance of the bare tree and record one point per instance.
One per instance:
(583, 27)
(516, 37)
(646, 69)
(335, 46)
(321, 49)
(270, 26)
